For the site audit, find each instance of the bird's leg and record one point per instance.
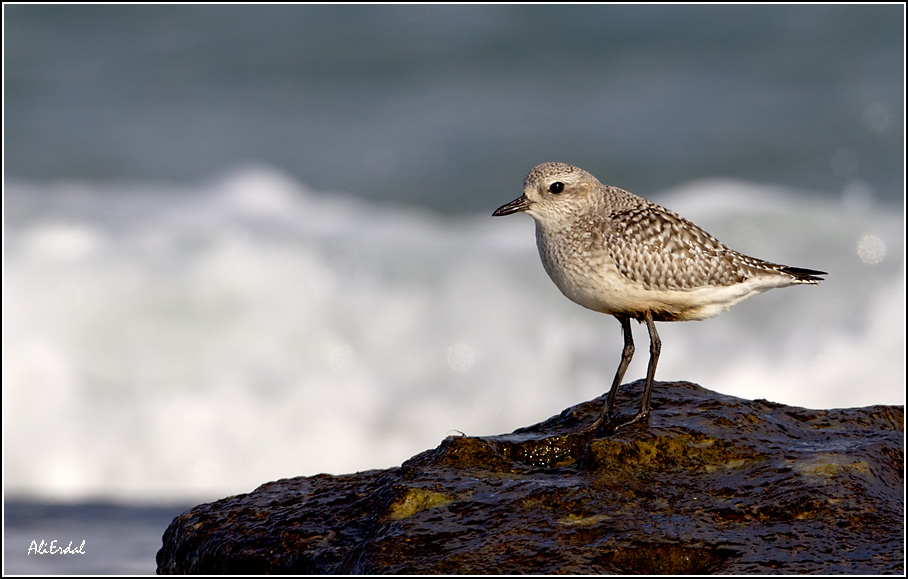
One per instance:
(626, 354)
(655, 347)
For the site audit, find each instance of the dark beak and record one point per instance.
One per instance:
(519, 204)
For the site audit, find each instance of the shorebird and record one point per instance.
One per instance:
(616, 253)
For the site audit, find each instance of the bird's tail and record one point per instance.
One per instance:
(804, 275)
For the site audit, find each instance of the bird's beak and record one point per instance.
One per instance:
(519, 204)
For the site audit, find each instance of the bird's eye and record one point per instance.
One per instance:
(556, 187)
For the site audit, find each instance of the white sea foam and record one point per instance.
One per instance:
(175, 341)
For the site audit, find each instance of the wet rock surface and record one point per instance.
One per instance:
(713, 484)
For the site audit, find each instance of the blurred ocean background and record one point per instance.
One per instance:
(243, 243)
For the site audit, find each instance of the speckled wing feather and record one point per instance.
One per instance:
(661, 250)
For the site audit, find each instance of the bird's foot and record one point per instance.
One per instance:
(595, 425)
(609, 425)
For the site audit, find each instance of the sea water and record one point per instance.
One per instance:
(199, 340)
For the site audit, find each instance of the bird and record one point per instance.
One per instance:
(614, 252)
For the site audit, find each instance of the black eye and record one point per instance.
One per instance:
(556, 187)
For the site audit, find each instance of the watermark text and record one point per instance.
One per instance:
(52, 548)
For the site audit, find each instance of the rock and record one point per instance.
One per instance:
(714, 484)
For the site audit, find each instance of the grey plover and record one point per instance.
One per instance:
(616, 253)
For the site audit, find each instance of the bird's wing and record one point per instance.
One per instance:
(661, 250)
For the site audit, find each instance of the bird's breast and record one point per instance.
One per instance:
(581, 267)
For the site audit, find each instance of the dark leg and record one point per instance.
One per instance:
(626, 356)
(655, 347)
